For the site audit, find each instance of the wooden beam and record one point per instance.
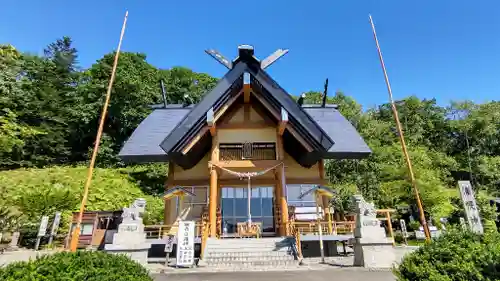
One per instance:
(246, 111)
(325, 200)
(213, 189)
(167, 214)
(243, 125)
(299, 138)
(211, 122)
(259, 110)
(281, 182)
(171, 175)
(268, 107)
(283, 121)
(280, 151)
(281, 196)
(225, 107)
(235, 182)
(230, 114)
(246, 93)
(321, 169)
(248, 163)
(203, 131)
(288, 127)
(214, 157)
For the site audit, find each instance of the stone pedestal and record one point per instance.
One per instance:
(130, 238)
(372, 249)
(14, 241)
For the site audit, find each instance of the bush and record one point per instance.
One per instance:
(413, 225)
(88, 266)
(456, 255)
(398, 237)
(38, 192)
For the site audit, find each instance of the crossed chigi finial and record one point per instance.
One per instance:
(246, 51)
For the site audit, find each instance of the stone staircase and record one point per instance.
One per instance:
(241, 253)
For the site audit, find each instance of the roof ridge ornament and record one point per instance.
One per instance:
(220, 58)
(272, 58)
(246, 53)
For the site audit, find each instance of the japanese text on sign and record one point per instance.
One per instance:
(185, 243)
(470, 206)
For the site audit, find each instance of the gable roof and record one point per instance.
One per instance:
(194, 119)
(144, 144)
(232, 83)
(348, 143)
(188, 124)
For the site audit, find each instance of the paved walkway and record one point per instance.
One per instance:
(333, 274)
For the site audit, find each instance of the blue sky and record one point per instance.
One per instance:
(444, 49)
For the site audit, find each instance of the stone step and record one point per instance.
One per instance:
(245, 249)
(246, 254)
(250, 253)
(248, 259)
(253, 264)
(242, 244)
(248, 240)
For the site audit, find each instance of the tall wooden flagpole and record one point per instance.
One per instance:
(402, 138)
(76, 232)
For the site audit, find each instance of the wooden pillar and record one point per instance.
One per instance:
(214, 185)
(389, 225)
(325, 200)
(212, 213)
(281, 186)
(167, 213)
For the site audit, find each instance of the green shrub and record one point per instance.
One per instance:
(457, 255)
(413, 225)
(38, 192)
(79, 266)
(398, 237)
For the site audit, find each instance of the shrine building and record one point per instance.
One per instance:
(247, 152)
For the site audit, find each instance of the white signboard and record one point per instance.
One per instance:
(403, 228)
(169, 244)
(470, 206)
(185, 243)
(55, 225)
(43, 226)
